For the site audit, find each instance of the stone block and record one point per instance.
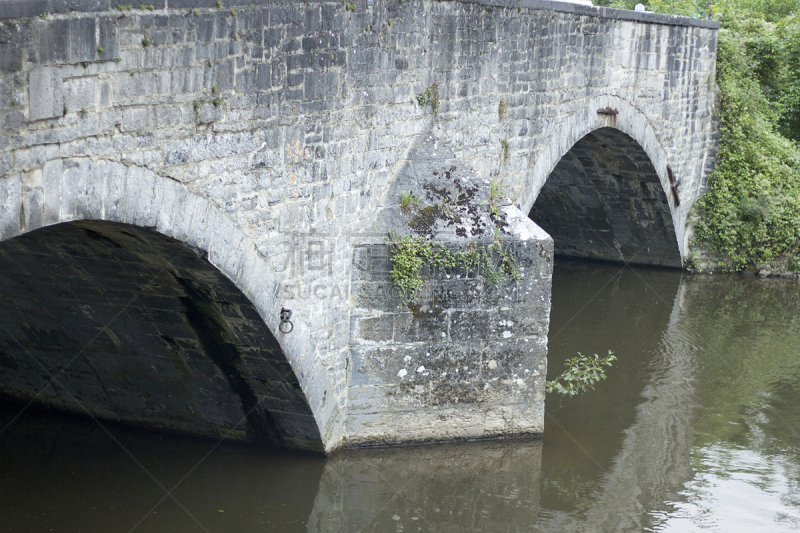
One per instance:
(114, 186)
(134, 119)
(82, 40)
(79, 93)
(53, 44)
(133, 85)
(32, 193)
(45, 94)
(10, 205)
(108, 38)
(166, 117)
(177, 152)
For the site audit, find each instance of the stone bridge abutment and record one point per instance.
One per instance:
(276, 139)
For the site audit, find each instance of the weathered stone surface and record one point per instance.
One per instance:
(45, 94)
(274, 139)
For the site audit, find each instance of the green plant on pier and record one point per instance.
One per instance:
(408, 254)
(430, 97)
(408, 201)
(496, 192)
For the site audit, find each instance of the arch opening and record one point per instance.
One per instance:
(605, 201)
(140, 328)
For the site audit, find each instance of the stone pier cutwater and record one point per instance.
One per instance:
(466, 358)
(173, 175)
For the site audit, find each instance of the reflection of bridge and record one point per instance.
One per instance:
(646, 471)
(270, 143)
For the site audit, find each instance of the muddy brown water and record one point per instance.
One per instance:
(697, 428)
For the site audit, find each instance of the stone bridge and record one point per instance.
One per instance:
(174, 174)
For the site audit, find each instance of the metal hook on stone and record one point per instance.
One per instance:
(286, 314)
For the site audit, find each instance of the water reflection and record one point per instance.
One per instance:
(469, 487)
(638, 315)
(67, 474)
(696, 428)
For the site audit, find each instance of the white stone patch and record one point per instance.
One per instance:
(421, 369)
(492, 364)
(403, 372)
(507, 334)
(407, 358)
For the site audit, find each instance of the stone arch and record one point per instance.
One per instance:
(81, 189)
(628, 120)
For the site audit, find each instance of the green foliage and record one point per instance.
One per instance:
(495, 262)
(430, 97)
(750, 214)
(496, 192)
(408, 201)
(408, 254)
(505, 147)
(145, 41)
(581, 374)
(501, 109)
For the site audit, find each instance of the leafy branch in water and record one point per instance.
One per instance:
(581, 374)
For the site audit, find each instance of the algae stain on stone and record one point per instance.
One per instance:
(425, 219)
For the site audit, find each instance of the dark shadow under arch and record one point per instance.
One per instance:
(604, 201)
(140, 328)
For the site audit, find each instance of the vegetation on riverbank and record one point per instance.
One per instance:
(750, 215)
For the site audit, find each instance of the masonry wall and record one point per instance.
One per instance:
(288, 121)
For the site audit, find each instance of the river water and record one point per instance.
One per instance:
(697, 428)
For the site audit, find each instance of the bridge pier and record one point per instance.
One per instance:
(466, 356)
